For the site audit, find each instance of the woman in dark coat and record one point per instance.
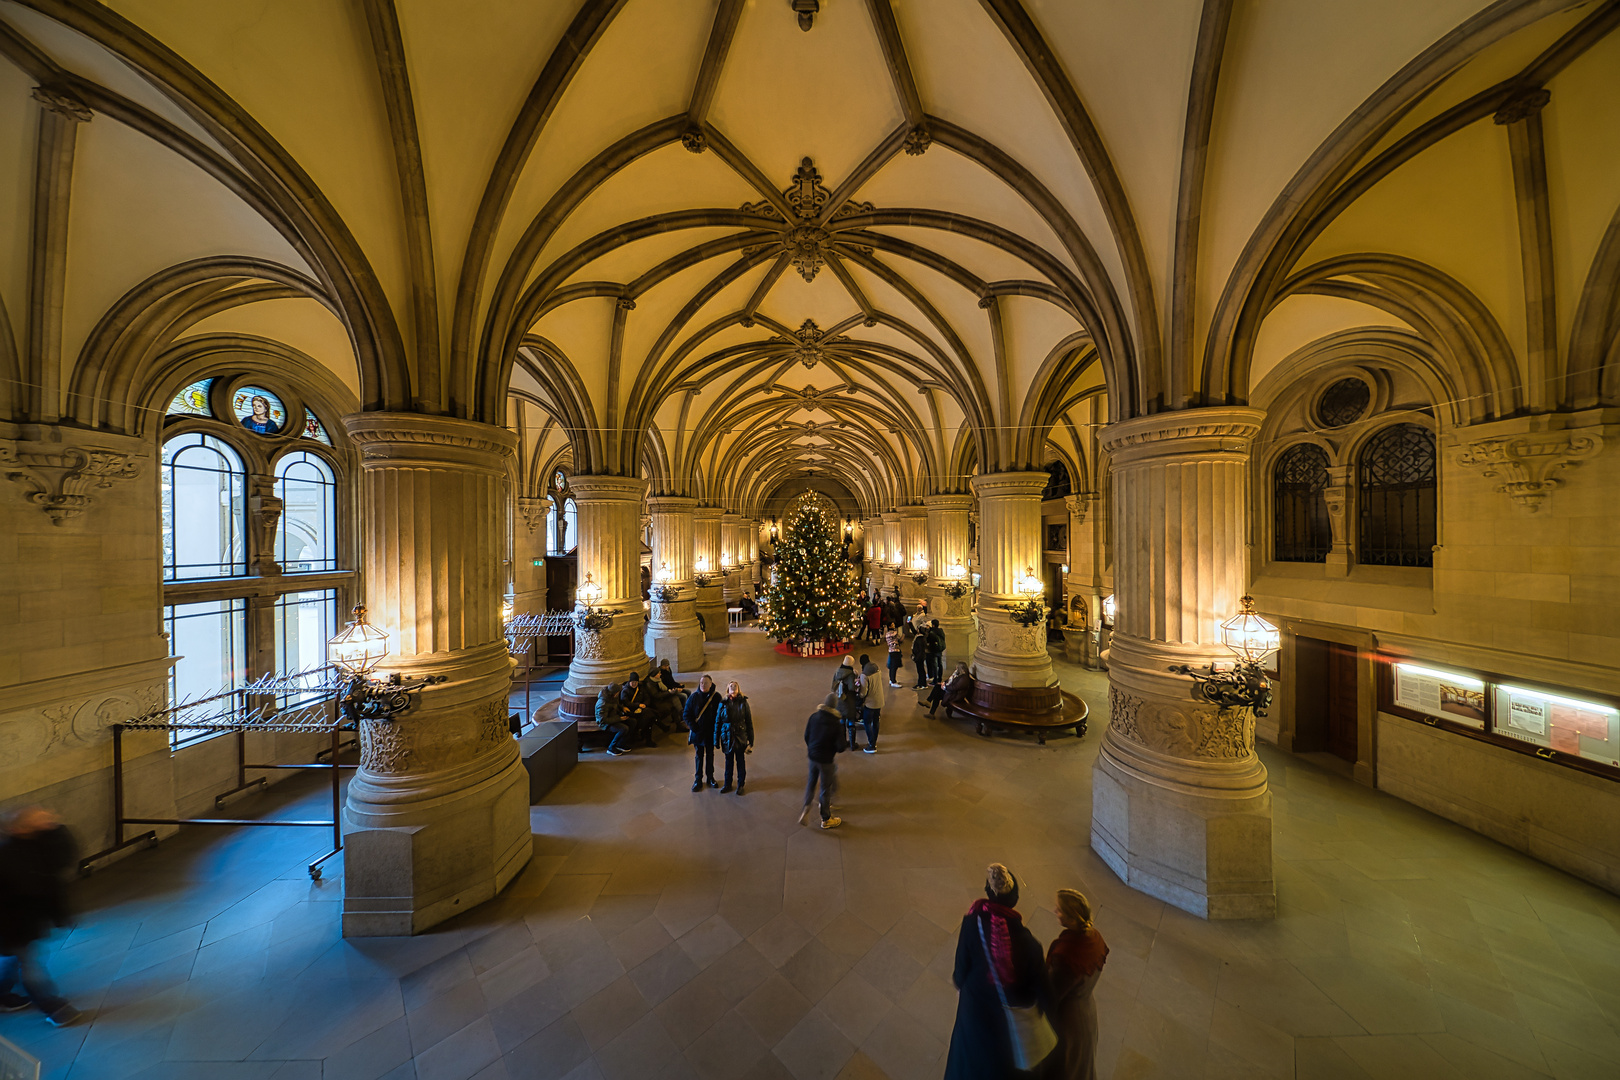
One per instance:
(919, 656)
(734, 734)
(1073, 965)
(981, 1043)
(702, 713)
(952, 692)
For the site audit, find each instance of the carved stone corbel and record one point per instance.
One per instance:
(533, 511)
(1526, 463)
(264, 510)
(60, 479)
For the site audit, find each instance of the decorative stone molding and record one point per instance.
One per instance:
(1222, 429)
(532, 512)
(384, 747)
(389, 435)
(60, 479)
(26, 737)
(264, 509)
(1523, 106)
(1122, 713)
(918, 140)
(694, 141)
(64, 102)
(1526, 463)
(492, 723)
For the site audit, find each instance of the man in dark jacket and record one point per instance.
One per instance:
(636, 705)
(702, 710)
(823, 739)
(35, 856)
(935, 655)
(610, 718)
(919, 656)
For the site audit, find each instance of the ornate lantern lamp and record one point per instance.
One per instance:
(591, 617)
(508, 607)
(919, 570)
(1108, 611)
(1251, 639)
(773, 529)
(663, 589)
(956, 581)
(356, 650)
(1032, 610)
(700, 572)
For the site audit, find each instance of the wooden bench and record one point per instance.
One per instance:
(1037, 710)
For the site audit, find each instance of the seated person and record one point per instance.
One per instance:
(953, 691)
(750, 610)
(664, 675)
(610, 718)
(635, 703)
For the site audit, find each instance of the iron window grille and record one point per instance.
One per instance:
(1397, 480)
(1344, 402)
(1301, 531)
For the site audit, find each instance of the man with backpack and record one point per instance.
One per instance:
(934, 652)
(846, 691)
(824, 741)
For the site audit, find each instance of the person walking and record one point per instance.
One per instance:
(919, 657)
(824, 741)
(1073, 964)
(871, 703)
(35, 857)
(735, 734)
(846, 688)
(997, 959)
(892, 638)
(702, 713)
(934, 654)
(610, 718)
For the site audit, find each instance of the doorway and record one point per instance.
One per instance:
(1327, 709)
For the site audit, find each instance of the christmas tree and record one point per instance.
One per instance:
(813, 595)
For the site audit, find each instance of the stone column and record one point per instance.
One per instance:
(752, 579)
(872, 544)
(673, 633)
(729, 527)
(891, 550)
(711, 603)
(437, 818)
(913, 550)
(1180, 806)
(947, 544)
(1009, 655)
(528, 579)
(1340, 500)
(610, 553)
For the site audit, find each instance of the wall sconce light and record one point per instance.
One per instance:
(956, 581)
(1108, 611)
(1251, 639)
(700, 572)
(356, 650)
(1032, 610)
(592, 617)
(508, 606)
(663, 590)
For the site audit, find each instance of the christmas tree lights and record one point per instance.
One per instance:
(813, 598)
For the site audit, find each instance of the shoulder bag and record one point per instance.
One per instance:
(1031, 1033)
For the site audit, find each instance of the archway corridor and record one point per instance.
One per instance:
(659, 932)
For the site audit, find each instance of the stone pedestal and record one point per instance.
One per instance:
(1009, 654)
(947, 546)
(437, 818)
(1180, 807)
(711, 601)
(610, 553)
(673, 633)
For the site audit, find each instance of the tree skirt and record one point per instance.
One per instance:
(826, 649)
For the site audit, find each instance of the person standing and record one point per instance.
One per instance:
(35, 856)
(871, 704)
(892, 638)
(935, 651)
(610, 718)
(919, 657)
(702, 712)
(1073, 965)
(874, 620)
(823, 741)
(735, 734)
(997, 959)
(846, 688)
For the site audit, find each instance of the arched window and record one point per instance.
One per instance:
(551, 529)
(1300, 529)
(570, 526)
(1398, 497)
(204, 509)
(1058, 483)
(306, 537)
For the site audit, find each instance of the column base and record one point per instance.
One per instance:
(422, 849)
(711, 605)
(682, 646)
(1196, 835)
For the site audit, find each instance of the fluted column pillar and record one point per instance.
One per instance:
(948, 545)
(673, 632)
(891, 550)
(529, 556)
(1009, 546)
(872, 541)
(437, 816)
(1180, 806)
(913, 550)
(711, 603)
(610, 554)
(729, 527)
(752, 580)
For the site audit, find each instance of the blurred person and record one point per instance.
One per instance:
(1073, 964)
(35, 857)
(824, 741)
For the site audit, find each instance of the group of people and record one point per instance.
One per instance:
(1019, 1014)
(36, 854)
(632, 710)
(715, 721)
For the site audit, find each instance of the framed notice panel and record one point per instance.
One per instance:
(1446, 695)
(1584, 729)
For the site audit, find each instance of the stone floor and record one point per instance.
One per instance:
(660, 933)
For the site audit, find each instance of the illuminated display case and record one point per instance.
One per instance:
(1551, 724)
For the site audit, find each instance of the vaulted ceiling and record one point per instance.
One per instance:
(732, 245)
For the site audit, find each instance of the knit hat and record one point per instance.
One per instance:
(849, 661)
(869, 669)
(830, 702)
(998, 880)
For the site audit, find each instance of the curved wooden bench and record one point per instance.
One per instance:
(1043, 710)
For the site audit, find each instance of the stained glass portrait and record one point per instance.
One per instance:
(259, 410)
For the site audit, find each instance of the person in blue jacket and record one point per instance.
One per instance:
(735, 734)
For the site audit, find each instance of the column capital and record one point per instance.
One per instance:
(671, 504)
(416, 438)
(608, 488)
(949, 501)
(708, 513)
(1005, 484)
(914, 510)
(1226, 429)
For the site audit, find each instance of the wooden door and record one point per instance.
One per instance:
(1343, 707)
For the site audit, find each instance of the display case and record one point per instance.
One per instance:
(1552, 724)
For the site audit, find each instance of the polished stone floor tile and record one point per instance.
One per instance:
(661, 933)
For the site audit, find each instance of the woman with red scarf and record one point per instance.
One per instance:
(1073, 964)
(992, 933)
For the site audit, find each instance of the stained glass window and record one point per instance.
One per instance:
(1344, 402)
(193, 400)
(1300, 528)
(1398, 497)
(258, 410)
(314, 429)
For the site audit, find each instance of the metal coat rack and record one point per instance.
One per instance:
(524, 633)
(301, 703)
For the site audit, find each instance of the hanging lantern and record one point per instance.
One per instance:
(1030, 587)
(359, 647)
(1248, 635)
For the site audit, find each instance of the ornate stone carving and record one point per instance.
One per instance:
(1526, 463)
(807, 11)
(492, 723)
(60, 479)
(1185, 424)
(1523, 106)
(806, 197)
(65, 102)
(695, 141)
(1122, 713)
(918, 140)
(533, 512)
(808, 342)
(1227, 734)
(264, 510)
(588, 645)
(384, 747)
